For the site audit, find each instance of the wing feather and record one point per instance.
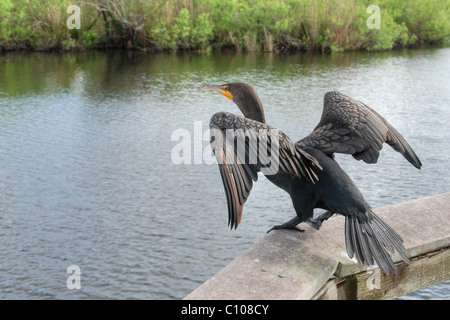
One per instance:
(238, 176)
(351, 127)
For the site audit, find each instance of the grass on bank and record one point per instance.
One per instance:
(252, 25)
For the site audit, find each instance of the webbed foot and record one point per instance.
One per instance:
(317, 222)
(290, 225)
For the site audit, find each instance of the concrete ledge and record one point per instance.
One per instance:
(293, 265)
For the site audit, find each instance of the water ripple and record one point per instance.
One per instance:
(87, 179)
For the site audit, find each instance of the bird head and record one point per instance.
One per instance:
(244, 96)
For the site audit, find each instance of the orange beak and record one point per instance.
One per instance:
(221, 89)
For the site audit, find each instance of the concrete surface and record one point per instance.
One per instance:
(293, 265)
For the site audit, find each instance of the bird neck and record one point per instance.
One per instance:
(254, 110)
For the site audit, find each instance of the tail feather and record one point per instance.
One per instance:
(370, 239)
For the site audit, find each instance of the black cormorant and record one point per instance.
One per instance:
(307, 169)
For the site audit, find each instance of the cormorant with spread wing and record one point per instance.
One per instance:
(307, 169)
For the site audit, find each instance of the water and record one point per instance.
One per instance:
(86, 176)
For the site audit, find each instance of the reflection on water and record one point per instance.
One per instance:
(86, 173)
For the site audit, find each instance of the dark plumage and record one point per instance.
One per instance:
(307, 169)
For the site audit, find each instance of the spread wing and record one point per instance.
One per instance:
(349, 126)
(244, 147)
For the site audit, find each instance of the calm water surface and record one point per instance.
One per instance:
(86, 176)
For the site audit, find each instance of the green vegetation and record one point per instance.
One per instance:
(252, 25)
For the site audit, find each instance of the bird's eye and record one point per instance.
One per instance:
(226, 88)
